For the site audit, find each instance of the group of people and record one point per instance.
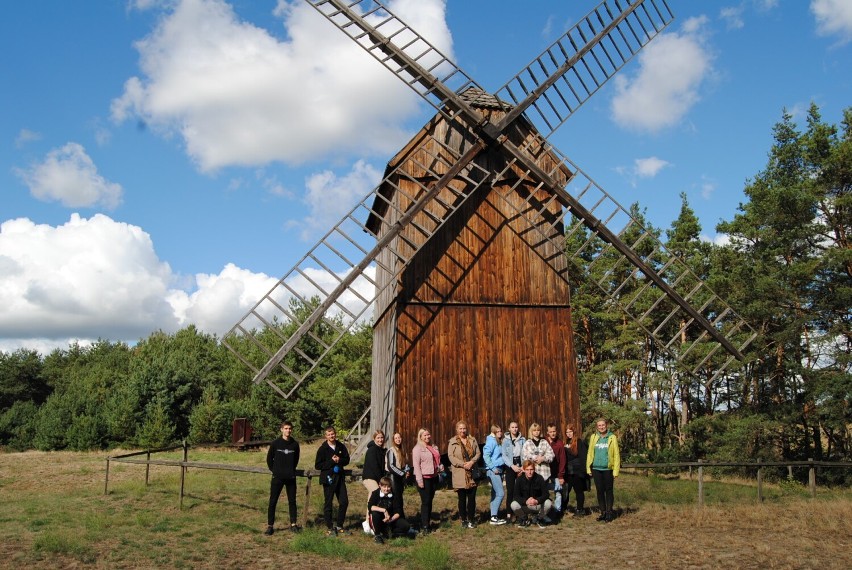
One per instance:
(531, 468)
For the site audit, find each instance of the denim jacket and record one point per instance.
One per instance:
(493, 454)
(510, 451)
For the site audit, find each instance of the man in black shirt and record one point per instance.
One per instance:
(282, 459)
(332, 457)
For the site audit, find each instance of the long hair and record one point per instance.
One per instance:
(494, 429)
(533, 426)
(571, 445)
(401, 456)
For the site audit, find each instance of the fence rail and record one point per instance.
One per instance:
(184, 464)
(309, 474)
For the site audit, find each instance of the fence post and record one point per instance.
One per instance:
(106, 479)
(790, 472)
(307, 502)
(183, 474)
(759, 482)
(147, 466)
(700, 483)
(812, 477)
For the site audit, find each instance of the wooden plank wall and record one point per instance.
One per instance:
(483, 318)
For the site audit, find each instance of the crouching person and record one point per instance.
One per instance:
(531, 502)
(386, 512)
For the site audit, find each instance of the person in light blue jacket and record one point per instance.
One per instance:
(513, 445)
(493, 454)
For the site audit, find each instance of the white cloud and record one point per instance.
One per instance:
(98, 278)
(733, 17)
(239, 96)
(88, 278)
(833, 17)
(649, 167)
(717, 239)
(330, 197)
(671, 70)
(26, 136)
(69, 176)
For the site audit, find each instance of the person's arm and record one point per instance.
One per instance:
(490, 446)
(418, 471)
(507, 451)
(270, 455)
(298, 455)
(561, 461)
(323, 460)
(455, 455)
(528, 450)
(590, 455)
(391, 460)
(343, 453)
(616, 456)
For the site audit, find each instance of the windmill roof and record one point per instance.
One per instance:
(476, 97)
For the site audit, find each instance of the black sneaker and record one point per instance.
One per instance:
(331, 532)
(295, 528)
(340, 530)
(378, 539)
(602, 517)
(269, 530)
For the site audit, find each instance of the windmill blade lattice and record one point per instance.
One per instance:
(675, 331)
(557, 83)
(263, 342)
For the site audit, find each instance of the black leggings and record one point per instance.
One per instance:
(578, 483)
(398, 488)
(604, 483)
(427, 493)
(467, 504)
(275, 492)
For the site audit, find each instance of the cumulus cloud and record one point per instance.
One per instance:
(643, 168)
(99, 278)
(237, 95)
(329, 196)
(69, 176)
(87, 278)
(666, 86)
(833, 18)
(649, 167)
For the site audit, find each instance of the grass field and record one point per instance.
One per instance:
(54, 514)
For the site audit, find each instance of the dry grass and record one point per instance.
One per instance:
(54, 514)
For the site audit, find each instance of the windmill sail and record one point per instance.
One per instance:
(544, 94)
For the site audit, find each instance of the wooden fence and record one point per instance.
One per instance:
(185, 464)
(700, 465)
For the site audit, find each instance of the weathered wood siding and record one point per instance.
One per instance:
(482, 317)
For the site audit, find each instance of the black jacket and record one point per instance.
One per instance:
(535, 487)
(326, 464)
(576, 464)
(374, 462)
(391, 503)
(283, 457)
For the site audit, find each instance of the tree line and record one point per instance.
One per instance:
(787, 269)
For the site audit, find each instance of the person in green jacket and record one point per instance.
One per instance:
(603, 463)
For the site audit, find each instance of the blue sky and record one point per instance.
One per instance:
(163, 162)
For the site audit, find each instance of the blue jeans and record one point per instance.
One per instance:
(555, 486)
(497, 492)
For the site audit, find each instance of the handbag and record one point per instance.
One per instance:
(476, 473)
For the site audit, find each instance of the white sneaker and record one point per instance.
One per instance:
(496, 521)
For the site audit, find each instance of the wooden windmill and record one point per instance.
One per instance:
(468, 276)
